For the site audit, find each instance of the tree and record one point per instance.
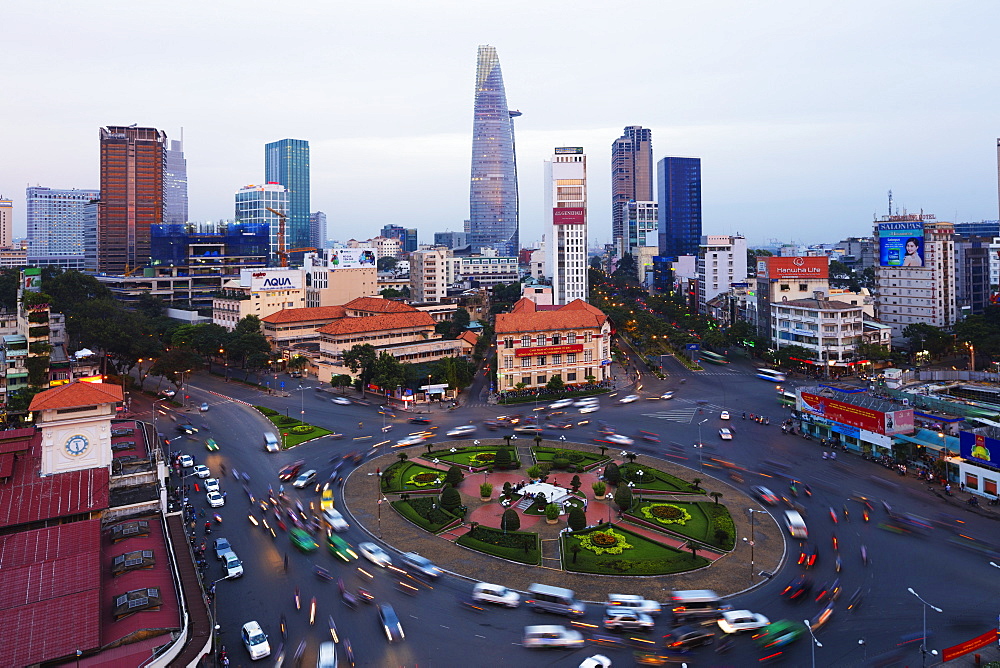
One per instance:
(695, 484)
(392, 293)
(387, 371)
(604, 449)
(510, 520)
(298, 362)
(556, 384)
(595, 264)
(694, 551)
(630, 456)
(175, 362)
(534, 471)
(360, 359)
(551, 512)
(612, 475)
(576, 548)
(403, 456)
(508, 488)
(341, 380)
(577, 519)
(454, 476)
(387, 263)
(502, 459)
(784, 356)
(627, 268)
(575, 484)
(538, 440)
(623, 497)
(450, 499)
(715, 495)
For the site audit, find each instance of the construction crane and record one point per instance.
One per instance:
(282, 253)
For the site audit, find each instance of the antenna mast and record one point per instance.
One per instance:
(890, 202)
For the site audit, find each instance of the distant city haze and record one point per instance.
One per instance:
(803, 115)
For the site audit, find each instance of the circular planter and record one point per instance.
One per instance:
(484, 499)
(555, 521)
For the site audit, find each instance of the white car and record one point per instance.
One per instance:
(375, 554)
(551, 635)
(629, 398)
(724, 415)
(725, 434)
(335, 519)
(232, 565)
(168, 393)
(256, 641)
(586, 401)
(463, 430)
(410, 440)
(734, 621)
(187, 461)
(491, 593)
(562, 403)
(211, 485)
(203, 407)
(304, 479)
(634, 602)
(596, 661)
(618, 439)
(667, 395)
(215, 499)
(592, 408)
(202, 471)
(341, 401)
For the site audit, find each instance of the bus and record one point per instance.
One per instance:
(771, 374)
(712, 358)
(786, 398)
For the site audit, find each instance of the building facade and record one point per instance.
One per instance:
(432, 271)
(175, 185)
(225, 248)
(56, 226)
(784, 279)
(631, 173)
(256, 205)
(831, 330)
(487, 271)
(6, 222)
(451, 239)
(640, 221)
(258, 292)
(132, 169)
(679, 198)
(406, 235)
(722, 261)
(287, 162)
(493, 205)
(565, 197)
(973, 259)
(328, 284)
(317, 229)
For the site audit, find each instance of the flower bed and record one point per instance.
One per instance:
(407, 476)
(520, 546)
(655, 479)
(476, 457)
(701, 521)
(665, 513)
(614, 550)
(423, 513)
(576, 458)
(293, 435)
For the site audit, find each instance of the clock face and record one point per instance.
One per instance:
(77, 444)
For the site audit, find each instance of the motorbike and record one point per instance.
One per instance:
(208, 528)
(365, 596)
(348, 597)
(218, 518)
(284, 627)
(322, 573)
(333, 629)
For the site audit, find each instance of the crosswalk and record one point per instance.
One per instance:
(685, 415)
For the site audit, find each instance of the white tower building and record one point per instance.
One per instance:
(566, 213)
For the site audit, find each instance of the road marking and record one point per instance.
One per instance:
(677, 415)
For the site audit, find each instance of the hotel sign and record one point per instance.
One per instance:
(549, 350)
(569, 216)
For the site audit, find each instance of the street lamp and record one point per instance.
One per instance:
(814, 644)
(215, 620)
(923, 640)
(750, 541)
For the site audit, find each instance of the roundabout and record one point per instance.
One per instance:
(661, 539)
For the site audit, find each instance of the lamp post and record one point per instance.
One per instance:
(923, 640)
(701, 444)
(215, 621)
(750, 541)
(814, 644)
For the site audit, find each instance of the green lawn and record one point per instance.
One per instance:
(465, 456)
(706, 518)
(423, 513)
(577, 457)
(520, 546)
(642, 557)
(655, 479)
(398, 477)
(289, 439)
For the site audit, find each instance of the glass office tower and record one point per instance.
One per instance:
(493, 194)
(678, 183)
(631, 173)
(287, 162)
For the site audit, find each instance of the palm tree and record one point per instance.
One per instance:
(575, 548)
(604, 449)
(538, 440)
(630, 456)
(694, 551)
(403, 456)
(715, 495)
(695, 482)
(428, 446)
(507, 438)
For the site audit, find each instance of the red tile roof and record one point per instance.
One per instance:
(468, 337)
(378, 305)
(75, 395)
(305, 314)
(379, 323)
(525, 318)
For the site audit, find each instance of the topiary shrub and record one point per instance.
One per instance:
(502, 459)
(577, 519)
(510, 521)
(612, 474)
(451, 499)
(560, 463)
(266, 411)
(303, 429)
(534, 471)
(454, 477)
(285, 421)
(600, 489)
(623, 498)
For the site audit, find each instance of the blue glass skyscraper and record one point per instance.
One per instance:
(678, 185)
(287, 162)
(493, 215)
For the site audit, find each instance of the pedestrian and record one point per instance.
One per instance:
(224, 495)
(947, 489)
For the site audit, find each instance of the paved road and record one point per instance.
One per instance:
(441, 633)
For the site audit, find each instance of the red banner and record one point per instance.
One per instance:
(549, 350)
(569, 216)
(958, 650)
(869, 419)
(792, 268)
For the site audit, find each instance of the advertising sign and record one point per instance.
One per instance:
(901, 244)
(972, 645)
(350, 258)
(571, 215)
(978, 448)
(569, 150)
(31, 279)
(549, 350)
(792, 268)
(869, 419)
(263, 280)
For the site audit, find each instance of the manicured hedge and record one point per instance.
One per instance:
(421, 512)
(507, 546)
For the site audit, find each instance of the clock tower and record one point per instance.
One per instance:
(75, 421)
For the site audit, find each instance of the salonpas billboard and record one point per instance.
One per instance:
(265, 280)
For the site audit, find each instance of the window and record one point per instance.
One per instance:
(784, 287)
(541, 360)
(542, 380)
(588, 355)
(571, 358)
(571, 338)
(587, 337)
(803, 287)
(557, 359)
(525, 362)
(526, 380)
(508, 362)
(525, 340)
(540, 340)
(508, 342)
(571, 376)
(555, 339)
(971, 481)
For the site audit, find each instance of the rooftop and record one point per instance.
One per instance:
(377, 323)
(526, 317)
(77, 394)
(305, 314)
(820, 304)
(378, 305)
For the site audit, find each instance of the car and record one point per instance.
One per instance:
(201, 471)
(390, 623)
(492, 425)
(326, 501)
(735, 621)
(725, 434)
(628, 398)
(618, 439)
(375, 554)
(779, 634)
(215, 499)
(221, 546)
(551, 635)
(304, 479)
(497, 594)
(667, 395)
(340, 548)
(416, 439)
(204, 406)
(420, 420)
(232, 565)
(765, 495)
(562, 403)
(617, 618)
(596, 661)
(187, 461)
(211, 485)
(187, 429)
(529, 429)
(724, 415)
(590, 408)
(633, 602)
(302, 540)
(797, 587)
(290, 471)
(211, 445)
(256, 641)
(168, 393)
(335, 519)
(586, 401)
(295, 374)
(686, 637)
(649, 436)
(341, 401)
(807, 555)
(420, 564)
(463, 430)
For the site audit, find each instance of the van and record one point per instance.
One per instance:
(696, 604)
(554, 599)
(795, 524)
(271, 442)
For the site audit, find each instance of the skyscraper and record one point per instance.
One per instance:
(678, 183)
(56, 226)
(493, 215)
(287, 162)
(6, 222)
(407, 235)
(175, 184)
(132, 160)
(566, 211)
(317, 229)
(631, 173)
(256, 205)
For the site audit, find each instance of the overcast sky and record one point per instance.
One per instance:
(804, 113)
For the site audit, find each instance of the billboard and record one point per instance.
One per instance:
(549, 350)
(351, 258)
(31, 279)
(901, 244)
(869, 419)
(569, 150)
(264, 280)
(979, 449)
(793, 268)
(569, 216)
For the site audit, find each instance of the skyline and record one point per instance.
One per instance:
(803, 117)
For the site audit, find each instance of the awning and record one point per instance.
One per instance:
(937, 443)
